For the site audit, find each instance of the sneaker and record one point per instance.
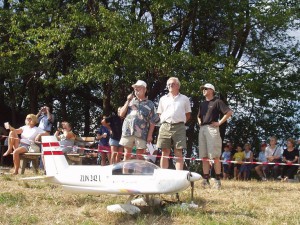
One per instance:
(205, 183)
(263, 179)
(217, 184)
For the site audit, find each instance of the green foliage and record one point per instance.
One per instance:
(81, 57)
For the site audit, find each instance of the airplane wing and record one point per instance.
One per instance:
(99, 190)
(37, 178)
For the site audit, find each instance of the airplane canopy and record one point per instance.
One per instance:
(134, 167)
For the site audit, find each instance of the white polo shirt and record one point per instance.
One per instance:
(173, 109)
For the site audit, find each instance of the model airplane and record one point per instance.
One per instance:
(133, 177)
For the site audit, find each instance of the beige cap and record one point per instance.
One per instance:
(140, 83)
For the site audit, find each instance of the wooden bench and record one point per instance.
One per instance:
(72, 158)
(82, 143)
(30, 157)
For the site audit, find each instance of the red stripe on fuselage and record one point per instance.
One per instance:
(51, 144)
(53, 153)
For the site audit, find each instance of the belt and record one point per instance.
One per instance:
(174, 123)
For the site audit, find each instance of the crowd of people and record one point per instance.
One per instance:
(133, 126)
(271, 163)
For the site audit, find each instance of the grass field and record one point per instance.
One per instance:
(251, 202)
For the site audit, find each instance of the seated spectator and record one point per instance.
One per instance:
(273, 155)
(290, 155)
(29, 134)
(239, 156)
(66, 137)
(226, 156)
(103, 135)
(114, 124)
(244, 172)
(232, 152)
(261, 168)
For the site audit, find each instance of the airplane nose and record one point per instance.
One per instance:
(194, 176)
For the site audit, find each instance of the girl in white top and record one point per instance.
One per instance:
(29, 134)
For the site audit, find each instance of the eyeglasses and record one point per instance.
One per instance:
(171, 84)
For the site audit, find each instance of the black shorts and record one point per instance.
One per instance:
(226, 168)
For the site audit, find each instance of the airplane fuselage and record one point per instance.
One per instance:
(99, 179)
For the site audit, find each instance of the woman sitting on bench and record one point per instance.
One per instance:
(66, 137)
(29, 135)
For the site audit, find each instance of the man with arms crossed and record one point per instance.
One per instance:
(210, 142)
(174, 110)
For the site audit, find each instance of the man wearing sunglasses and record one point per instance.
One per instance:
(212, 113)
(174, 110)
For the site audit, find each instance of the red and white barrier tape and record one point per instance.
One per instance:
(185, 158)
(202, 159)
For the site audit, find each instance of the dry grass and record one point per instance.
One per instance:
(36, 202)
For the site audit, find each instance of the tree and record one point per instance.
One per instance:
(83, 56)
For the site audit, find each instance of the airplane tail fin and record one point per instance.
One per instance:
(54, 158)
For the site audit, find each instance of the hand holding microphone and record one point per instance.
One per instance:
(130, 96)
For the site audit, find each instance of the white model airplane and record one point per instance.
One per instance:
(133, 177)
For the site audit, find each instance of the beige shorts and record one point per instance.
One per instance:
(210, 142)
(169, 133)
(130, 141)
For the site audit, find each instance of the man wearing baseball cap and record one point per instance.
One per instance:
(210, 142)
(140, 119)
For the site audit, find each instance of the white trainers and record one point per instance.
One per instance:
(217, 184)
(205, 183)
(263, 179)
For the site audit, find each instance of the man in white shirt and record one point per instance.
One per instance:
(174, 110)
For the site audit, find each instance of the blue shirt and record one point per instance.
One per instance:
(44, 123)
(103, 141)
(226, 156)
(262, 157)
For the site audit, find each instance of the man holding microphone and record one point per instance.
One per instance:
(140, 119)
